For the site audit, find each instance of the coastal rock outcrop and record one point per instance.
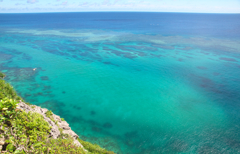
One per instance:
(56, 123)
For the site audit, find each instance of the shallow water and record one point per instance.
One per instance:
(132, 83)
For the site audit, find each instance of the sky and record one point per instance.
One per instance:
(198, 6)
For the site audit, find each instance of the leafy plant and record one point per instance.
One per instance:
(49, 113)
(28, 130)
(2, 75)
(94, 148)
(6, 90)
(8, 112)
(63, 146)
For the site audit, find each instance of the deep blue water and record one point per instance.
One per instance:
(131, 82)
(190, 24)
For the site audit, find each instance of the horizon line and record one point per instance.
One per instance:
(116, 11)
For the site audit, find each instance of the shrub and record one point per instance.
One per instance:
(22, 129)
(94, 148)
(49, 113)
(2, 75)
(6, 90)
(7, 108)
(63, 146)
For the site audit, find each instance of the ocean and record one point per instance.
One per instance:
(132, 82)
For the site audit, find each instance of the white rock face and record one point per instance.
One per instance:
(54, 133)
(2, 142)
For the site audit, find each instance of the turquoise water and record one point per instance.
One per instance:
(131, 92)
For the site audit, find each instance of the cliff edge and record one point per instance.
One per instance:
(26, 128)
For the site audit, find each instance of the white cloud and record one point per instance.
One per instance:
(65, 3)
(113, 5)
(32, 1)
(106, 2)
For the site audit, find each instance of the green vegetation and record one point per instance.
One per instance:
(94, 148)
(29, 133)
(21, 129)
(6, 90)
(2, 76)
(49, 113)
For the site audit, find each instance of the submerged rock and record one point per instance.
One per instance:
(93, 112)
(44, 78)
(96, 129)
(107, 125)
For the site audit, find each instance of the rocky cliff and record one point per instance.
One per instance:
(57, 125)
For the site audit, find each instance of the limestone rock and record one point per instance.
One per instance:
(20, 148)
(64, 125)
(54, 133)
(77, 143)
(2, 141)
(57, 118)
(70, 133)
